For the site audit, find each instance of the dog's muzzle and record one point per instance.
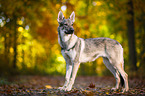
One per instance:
(70, 31)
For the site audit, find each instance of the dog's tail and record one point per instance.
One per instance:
(122, 80)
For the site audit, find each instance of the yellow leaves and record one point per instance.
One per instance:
(103, 28)
(107, 93)
(57, 6)
(99, 61)
(39, 47)
(26, 34)
(43, 9)
(2, 39)
(73, 1)
(11, 50)
(63, 1)
(119, 38)
(138, 64)
(98, 3)
(20, 59)
(100, 66)
(87, 33)
(39, 23)
(101, 13)
(60, 59)
(138, 50)
(80, 7)
(112, 36)
(20, 29)
(19, 66)
(61, 65)
(111, 5)
(20, 22)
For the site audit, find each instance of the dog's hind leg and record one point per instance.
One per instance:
(124, 76)
(119, 66)
(113, 71)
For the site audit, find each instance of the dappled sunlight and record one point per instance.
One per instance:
(20, 29)
(60, 59)
(98, 3)
(20, 22)
(11, 50)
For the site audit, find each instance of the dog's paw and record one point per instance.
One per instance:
(67, 89)
(60, 88)
(114, 89)
(125, 90)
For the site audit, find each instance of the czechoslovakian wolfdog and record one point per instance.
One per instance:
(77, 50)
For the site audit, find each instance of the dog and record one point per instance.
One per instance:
(77, 50)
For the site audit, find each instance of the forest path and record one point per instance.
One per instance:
(84, 86)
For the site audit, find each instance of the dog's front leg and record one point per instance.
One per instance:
(68, 71)
(67, 77)
(73, 76)
(68, 74)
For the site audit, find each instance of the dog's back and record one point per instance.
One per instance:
(104, 47)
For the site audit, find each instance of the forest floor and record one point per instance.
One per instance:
(84, 86)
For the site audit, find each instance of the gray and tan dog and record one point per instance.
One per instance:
(77, 50)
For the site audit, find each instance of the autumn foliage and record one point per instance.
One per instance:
(28, 34)
(29, 45)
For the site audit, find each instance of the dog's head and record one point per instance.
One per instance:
(66, 25)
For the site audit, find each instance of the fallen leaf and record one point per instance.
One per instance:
(75, 91)
(48, 86)
(91, 85)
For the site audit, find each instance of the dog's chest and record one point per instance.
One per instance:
(71, 53)
(63, 40)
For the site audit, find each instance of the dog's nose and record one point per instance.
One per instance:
(71, 30)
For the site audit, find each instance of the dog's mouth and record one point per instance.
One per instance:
(70, 31)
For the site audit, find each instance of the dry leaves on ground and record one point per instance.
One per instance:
(84, 86)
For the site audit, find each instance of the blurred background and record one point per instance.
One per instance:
(28, 34)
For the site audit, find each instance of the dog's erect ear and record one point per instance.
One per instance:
(72, 17)
(60, 16)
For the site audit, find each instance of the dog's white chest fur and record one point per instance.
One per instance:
(65, 37)
(71, 53)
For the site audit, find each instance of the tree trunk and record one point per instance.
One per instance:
(131, 38)
(5, 43)
(15, 42)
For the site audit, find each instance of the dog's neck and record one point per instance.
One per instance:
(67, 41)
